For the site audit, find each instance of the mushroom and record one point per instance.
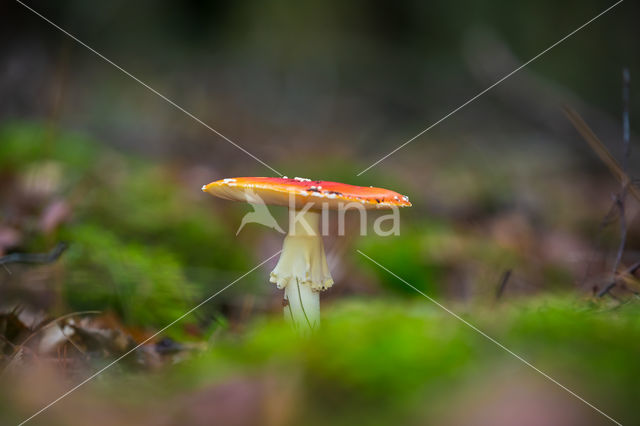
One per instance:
(302, 269)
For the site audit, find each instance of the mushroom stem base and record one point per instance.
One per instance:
(302, 307)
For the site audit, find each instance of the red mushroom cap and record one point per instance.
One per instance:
(277, 191)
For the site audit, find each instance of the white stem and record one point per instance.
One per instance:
(302, 307)
(302, 271)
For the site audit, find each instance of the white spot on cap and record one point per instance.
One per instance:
(228, 180)
(204, 187)
(302, 179)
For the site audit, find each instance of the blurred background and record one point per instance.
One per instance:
(107, 236)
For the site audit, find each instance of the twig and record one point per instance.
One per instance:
(608, 219)
(607, 289)
(503, 283)
(7, 341)
(625, 163)
(52, 256)
(626, 129)
(621, 198)
(7, 269)
(629, 271)
(623, 228)
(598, 147)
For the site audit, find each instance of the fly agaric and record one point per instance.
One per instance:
(302, 269)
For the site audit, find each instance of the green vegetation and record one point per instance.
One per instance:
(378, 361)
(140, 243)
(144, 246)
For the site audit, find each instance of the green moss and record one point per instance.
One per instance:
(145, 285)
(377, 361)
(425, 251)
(24, 143)
(148, 204)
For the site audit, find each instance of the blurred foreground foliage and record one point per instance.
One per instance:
(380, 361)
